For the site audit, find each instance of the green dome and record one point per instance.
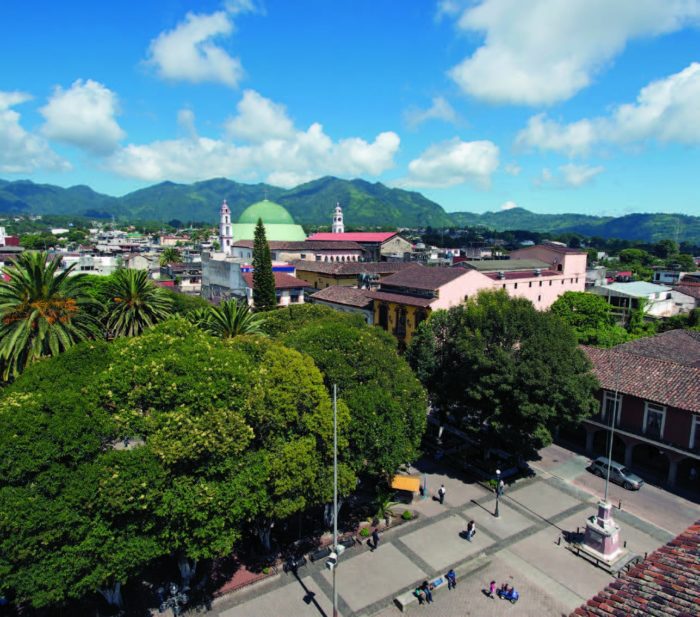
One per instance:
(270, 213)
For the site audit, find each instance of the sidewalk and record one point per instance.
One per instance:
(519, 548)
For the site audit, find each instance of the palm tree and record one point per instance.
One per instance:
(43, 313)
(134, 303)
(231, 318)
(170, 255)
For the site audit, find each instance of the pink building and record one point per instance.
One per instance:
(539, 273)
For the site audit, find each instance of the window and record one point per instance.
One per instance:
(550, 283)
(612, 403)
(695, 433)
(504, 285)
(529, 284)
(559, 268)
(539, 298)
(515, 286)
(654, 420)
(577, 279)
(540, 283)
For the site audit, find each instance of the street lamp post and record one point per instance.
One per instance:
(497, 514)
(335, 493)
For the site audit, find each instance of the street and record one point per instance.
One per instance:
(651, 503)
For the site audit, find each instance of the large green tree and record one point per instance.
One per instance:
(134, 303)
(591, 318)
(264, 296)
(504, 372)
(173, 442)
(44, 311)
(170, 255)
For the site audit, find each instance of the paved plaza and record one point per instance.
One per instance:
(521, 548)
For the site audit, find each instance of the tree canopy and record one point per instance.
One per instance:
(173, 441)
(591, 318)
(264, 295)
(503, 371)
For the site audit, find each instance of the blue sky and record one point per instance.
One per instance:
(586, 106)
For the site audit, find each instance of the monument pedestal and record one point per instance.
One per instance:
(602, 537)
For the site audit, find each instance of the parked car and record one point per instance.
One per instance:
(618, 473)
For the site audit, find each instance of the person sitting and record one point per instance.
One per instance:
(418, 592)
(426, 589)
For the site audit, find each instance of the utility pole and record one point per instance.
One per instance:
(335, 494)
(612, 437)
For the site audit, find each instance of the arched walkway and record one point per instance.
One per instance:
(652, 460)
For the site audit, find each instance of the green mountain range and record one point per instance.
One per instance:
(365, 204)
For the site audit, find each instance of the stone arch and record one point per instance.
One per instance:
(651, 459)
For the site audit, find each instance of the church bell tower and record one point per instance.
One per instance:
(338, 227)
(225, 230)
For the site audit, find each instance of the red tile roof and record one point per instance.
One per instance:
(354, 236)
(689, 289)
(521, 275)
(282, 281)
(305, 245)
(400, 298)
(666, 583)
(347, 296)
(422, 277)
(659, 381)
(679, 346)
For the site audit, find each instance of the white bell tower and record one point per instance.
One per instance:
(338, 227)
(225, 230)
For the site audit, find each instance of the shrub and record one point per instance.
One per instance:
(407, 515)
(364, 532)
(266, 570)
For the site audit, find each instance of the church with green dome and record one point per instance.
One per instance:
(279, 224)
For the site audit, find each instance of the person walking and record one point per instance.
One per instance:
(492, 590)
(471, 530)
(451, 577)
(375, 539)
(441, 493)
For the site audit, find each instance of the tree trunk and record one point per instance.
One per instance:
(113, 595)
(328, 513)
(264, 531)
(187, 569)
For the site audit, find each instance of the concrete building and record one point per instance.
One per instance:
(378, 245)
(307, 250)
(288, 289)
(650, 389)
(346, 300)
(658, 300)
(321, 274)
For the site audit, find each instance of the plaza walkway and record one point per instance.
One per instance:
(520, 548)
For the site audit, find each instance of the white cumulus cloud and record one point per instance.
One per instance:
(21, 151)
(569, 176)
(189, 53)
(508, 205)
(285, 155)
(666, 110)
(545, 51)
(512, 169)
(453, 162)
(440, 109)
(83, 116)
(259, 119)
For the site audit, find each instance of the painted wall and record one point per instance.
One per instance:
(321, 281)
(396, 245)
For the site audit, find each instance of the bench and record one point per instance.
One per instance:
(407, 598)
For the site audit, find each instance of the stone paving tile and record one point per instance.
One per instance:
(469, 601)
(440, 544)
(285, 601)
(542, 498)
(367, 577)
(574, 573)
(637, 540)
(511, 521)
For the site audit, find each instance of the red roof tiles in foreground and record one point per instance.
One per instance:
(353, 236)
(282, 281)
(666, 583)
(660, 381)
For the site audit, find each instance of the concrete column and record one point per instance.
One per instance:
(672, 471)
(629, 448)
(589, 441)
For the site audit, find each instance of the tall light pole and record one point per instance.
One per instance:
(612, 438)
(497, 514)
(335, 494)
